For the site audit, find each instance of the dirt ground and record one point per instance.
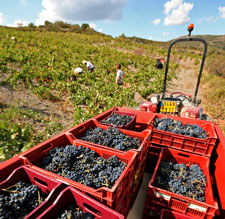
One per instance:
(61, 112)
(186, 79)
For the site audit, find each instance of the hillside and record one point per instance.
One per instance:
(41, 96)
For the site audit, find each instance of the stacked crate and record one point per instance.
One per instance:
(177, 148)
(156, 146)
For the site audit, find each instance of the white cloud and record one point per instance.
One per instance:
(207, 19)
(165, 34)
(1, 19)
(156, 21)
(211, 19)
(23, 2)
(80, 10)
(150, 38)
(199, 21)
(222, 12)
(92, 25)
(100, 30)
(177, 12)
(18, 23)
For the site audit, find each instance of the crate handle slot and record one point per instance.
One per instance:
(92, 209)
(183, 155)
(47, 147)
(81, 129)
(40, 181)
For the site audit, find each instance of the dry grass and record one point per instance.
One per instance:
(214, 94)
(215, 65)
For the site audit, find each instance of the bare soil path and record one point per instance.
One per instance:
(186, 79)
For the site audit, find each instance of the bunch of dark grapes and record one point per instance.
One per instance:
(186, 180)
(19, 200)
(111, 137)
(118, 119)
(75, 213)
(83, 166)
(175, 126)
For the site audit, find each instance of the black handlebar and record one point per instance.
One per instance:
(202, 64)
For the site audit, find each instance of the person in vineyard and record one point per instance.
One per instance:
(89, 65)
(78, 70)
(119, 74)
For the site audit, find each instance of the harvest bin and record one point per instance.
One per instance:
(165, 213)
(113, 197)
(75, 133)
(183, 142)
(120, 113)
(161, 198)
(138, 178)
(141, 118)
(47, 185)
(8, 166)
(71, 196)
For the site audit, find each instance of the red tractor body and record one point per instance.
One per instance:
(178, 103)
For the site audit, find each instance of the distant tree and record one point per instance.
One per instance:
(61, 24)
(122, 35)
(48, 23)
(76, 28)
(31, 25)
(84, 26)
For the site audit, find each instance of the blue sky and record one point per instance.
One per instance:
(159, 20)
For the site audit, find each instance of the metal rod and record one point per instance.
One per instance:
(201, 68)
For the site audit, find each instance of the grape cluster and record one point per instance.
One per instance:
(111, 137)
(118, 119)
(186, 180)
(75, 213)
(83, 166)
(175, 126)
(19, 200)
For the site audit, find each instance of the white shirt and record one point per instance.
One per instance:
(119, 75)
(89, 65)
(78, 70)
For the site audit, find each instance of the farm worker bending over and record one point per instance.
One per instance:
(119, 75)
(90, 66)
(78, 70)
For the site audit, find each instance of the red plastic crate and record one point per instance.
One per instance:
(71, 196)
(185, 205)
(152, 158)
(78, 131)
(105, 114)
(138, 178)
(167, 214)
(141, 120)
(141, 116)
(121, 113)
(112, 196)
(183, 142)
(124, 206)
(7, 167)
(28, 175)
